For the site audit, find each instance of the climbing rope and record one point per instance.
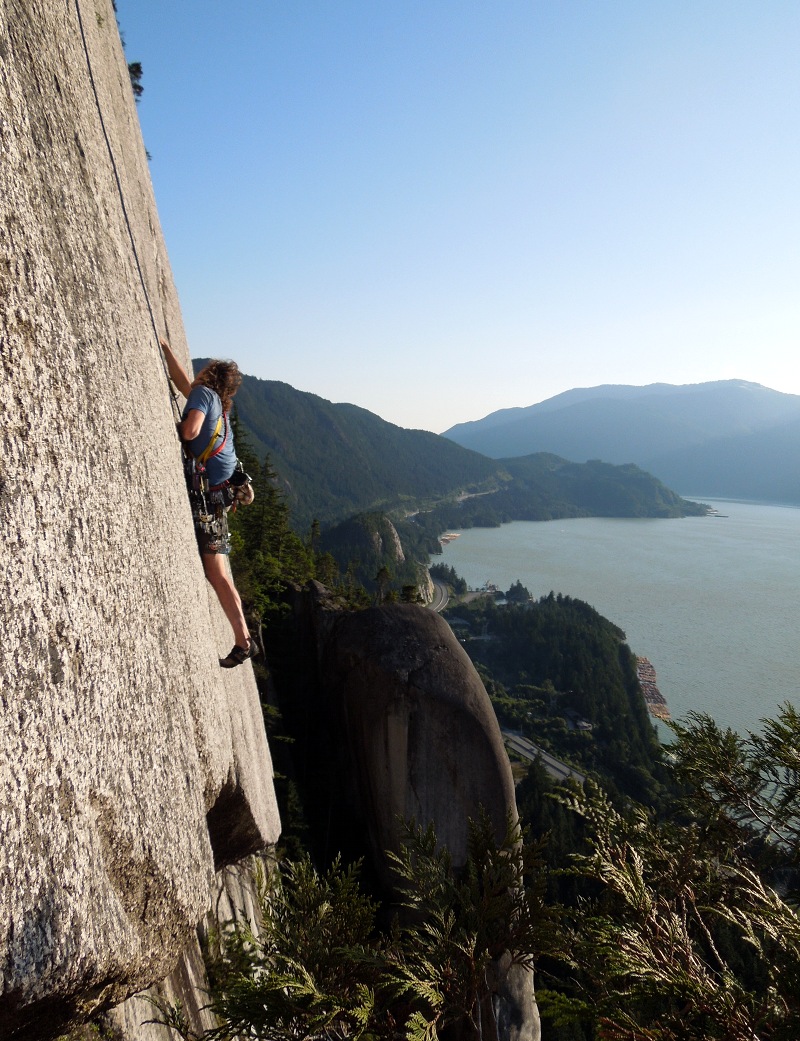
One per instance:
(172, 390)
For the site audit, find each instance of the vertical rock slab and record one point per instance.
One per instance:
(423, 735)
(421, 741)
(235, 899)
(119, 734)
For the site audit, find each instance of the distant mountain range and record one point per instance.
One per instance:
(334, 460)
(337, 460)
(728, 438)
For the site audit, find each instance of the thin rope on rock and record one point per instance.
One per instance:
(173, 394)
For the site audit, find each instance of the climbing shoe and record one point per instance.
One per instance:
(238, 655)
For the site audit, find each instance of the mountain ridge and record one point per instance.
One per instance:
(725, 437)
(337, 460)
(577, 395)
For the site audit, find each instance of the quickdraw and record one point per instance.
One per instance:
(207, 505)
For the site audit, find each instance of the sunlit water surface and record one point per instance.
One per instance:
(713, 602)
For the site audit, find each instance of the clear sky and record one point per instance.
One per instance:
(438, 208)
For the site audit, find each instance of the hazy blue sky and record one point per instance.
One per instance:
(438, 208)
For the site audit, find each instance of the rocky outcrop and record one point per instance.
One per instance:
(423, 738)
(235, 899)
(416, 737)
(426, 587)
(131, 767)
(395, 546)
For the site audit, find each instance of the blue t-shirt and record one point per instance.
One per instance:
(223, 464)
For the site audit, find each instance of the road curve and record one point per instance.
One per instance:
(441, 596)
(522, 746)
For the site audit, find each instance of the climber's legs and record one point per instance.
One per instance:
(222, 583)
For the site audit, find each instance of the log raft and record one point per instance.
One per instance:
(654, 699)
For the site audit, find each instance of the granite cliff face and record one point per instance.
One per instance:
(135, 776)
(413, 709)
(130, 765)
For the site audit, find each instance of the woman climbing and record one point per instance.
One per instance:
(207, 440)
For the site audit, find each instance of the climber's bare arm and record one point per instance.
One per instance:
(177, 373)
(189, 428)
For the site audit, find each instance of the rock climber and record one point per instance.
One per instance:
(205, 432)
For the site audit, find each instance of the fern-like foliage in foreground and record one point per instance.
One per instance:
(319, 968)
(695, 933)
(687, 930)
(460, 925)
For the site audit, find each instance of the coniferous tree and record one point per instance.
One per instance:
(319, 967)
(266, 552)
(695, 933)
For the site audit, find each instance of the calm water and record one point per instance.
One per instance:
(713, 602)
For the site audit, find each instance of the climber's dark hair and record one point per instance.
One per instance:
(223, 377)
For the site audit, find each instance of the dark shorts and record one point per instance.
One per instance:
(212, 535)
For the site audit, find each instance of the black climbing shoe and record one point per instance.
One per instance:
(238, 655)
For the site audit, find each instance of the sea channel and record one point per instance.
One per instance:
(713, 602)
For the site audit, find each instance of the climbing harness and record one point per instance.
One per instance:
(211, 503)
(208, 508)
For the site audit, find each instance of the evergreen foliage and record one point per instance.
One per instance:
(135, 74)
(695, 933)
(544, 484)
(368, 545)
(447, 574)
(518, 593)
(319, 966)
(544, 487)
(551, 663)
(460, 922)
(265, 552)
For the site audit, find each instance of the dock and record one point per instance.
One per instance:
(654, 699)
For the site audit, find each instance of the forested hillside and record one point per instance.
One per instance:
(596, 489)
(380, 556)
(673, 877)
(551, 662)
(762, 464)
(543, 487)
(336, 460)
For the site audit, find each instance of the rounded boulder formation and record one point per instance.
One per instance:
(422, 734)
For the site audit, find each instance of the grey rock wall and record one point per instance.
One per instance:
(424, 739)
(120, 737)
(234, 900)
(419, 739)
